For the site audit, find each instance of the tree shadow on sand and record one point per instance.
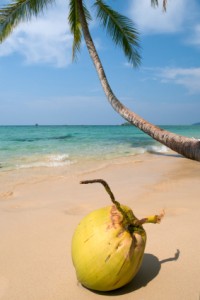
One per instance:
(149, 270)
(165, 154)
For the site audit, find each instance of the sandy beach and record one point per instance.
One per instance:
(40, 209)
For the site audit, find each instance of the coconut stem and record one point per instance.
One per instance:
(108, 190)
(152, 219)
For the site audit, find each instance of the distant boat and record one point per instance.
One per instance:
(36, 124)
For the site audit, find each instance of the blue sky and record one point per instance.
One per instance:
(40, 84)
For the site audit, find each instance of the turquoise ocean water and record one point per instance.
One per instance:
(55, 146)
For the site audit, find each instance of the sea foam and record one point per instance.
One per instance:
(52, 160)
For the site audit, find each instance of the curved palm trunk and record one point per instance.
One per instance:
(188, 147)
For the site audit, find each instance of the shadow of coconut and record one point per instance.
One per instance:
(149, 269)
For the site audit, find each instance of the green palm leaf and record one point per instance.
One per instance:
(75, 25)
(121, 30)
(19, 10)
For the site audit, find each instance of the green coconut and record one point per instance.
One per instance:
(108, 245)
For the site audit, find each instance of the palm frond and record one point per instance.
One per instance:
(87, 13)
(19, 10)
(164, 5)
(155, 3)
(75, 26)
(121, 30)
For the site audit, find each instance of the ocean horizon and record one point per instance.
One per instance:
(33, 146)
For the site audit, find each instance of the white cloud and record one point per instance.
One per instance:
(195, 38)
(187, 77)
(46, 39)
(154, 20)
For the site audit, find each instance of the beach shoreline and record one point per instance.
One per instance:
(40, 209)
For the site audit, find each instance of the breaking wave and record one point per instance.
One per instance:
(53, 160)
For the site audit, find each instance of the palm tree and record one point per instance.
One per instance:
(124, 34)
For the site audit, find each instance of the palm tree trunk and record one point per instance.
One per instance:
(188, 147)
